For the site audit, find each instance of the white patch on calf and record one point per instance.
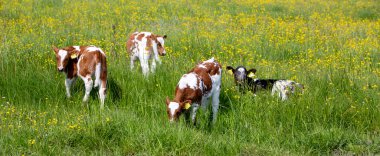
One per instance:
(93, 49)
(202, 66)
(77, 48)
(188, 80)
(210, 60)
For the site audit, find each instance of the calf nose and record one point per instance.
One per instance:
(60, 69)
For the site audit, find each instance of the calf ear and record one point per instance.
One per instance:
(165, 36)
(55, 48)
(230, 70)
(186, 104)
(251, 72)
(73, 54)
(167, 100)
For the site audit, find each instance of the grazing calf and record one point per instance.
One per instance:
(194, 89)
(144, 45)
(244, 81)
(83, 61)
(285, 88)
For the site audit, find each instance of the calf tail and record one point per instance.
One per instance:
(101, 73)
(98, 69)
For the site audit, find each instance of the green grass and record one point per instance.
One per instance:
(332, 50)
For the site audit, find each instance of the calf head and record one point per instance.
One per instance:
(160, 40)
(241, 74)
(63, 57)
(175, 109)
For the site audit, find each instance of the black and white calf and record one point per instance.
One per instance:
(285, 87)
(244, 81)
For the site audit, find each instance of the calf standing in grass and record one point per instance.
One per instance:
(244, 81)
(144, 45)
(194, 89)
(83, 61)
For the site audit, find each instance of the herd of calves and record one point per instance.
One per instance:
(194, 88)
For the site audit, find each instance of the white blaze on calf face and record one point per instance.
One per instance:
(162, 42)
(173, 106)
(188, 80)
(62, 54)
(241, 70)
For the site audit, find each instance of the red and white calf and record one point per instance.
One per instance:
(144, 45)
(194, 89)
(83, 61)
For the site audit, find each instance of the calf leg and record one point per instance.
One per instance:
(215, 104)
(274, 90)
(88, 85)
(153, 67)
(68, 83)
(144, 67)
(133, 59)
(193, 113)
(283, 93)
(144, 57)
(102, 93)
(204, 102)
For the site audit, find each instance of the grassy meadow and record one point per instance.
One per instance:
(332, 47)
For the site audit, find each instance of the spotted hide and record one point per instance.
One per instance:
(194, 89)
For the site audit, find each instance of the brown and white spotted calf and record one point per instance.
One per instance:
(83, 61)
(145, 45)
(194, 89)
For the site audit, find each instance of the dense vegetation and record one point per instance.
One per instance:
(332, 47)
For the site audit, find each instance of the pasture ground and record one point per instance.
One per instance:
(332, 47)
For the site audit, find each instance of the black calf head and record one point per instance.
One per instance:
(241, 74)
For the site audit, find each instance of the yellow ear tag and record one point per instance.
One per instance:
(230, 72)
(251, 75)
(187, 105)
(74, 56)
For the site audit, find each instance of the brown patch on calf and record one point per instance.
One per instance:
(187, 93)
(130, 43)
(150, 40)
(139, 37)
(88, 62)
(71, 68)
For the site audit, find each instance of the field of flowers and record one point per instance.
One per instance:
(332, 47)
